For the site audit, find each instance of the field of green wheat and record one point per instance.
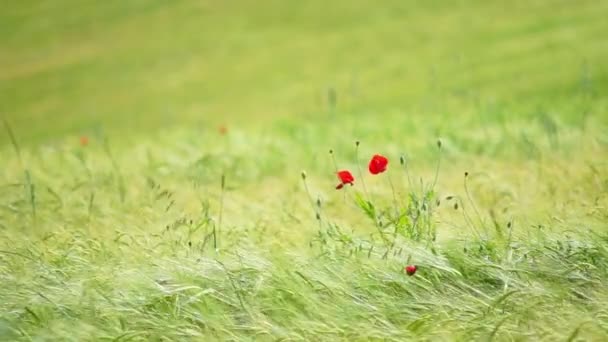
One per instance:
(303, 171)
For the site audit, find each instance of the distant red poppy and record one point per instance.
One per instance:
(377, 164)
(84, 140)
(410, 269)
(222, 130)
(345, 178)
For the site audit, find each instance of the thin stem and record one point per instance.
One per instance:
(315, 209)
(333, 159)
(466, 190)
(361, 172)
(395, 203)
(219, 220)
(466, 217)
(407, 172)
(438, 166)
(28, 179)
(118, 173)
(11, 135)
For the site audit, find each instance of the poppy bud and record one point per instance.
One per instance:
(439, 143)
(402, 160)
(466, 174)
(303, 175)
(357, 143)
(410, 269)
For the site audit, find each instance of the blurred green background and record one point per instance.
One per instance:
(69, 67)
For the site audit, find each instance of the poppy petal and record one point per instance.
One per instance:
(377, 164)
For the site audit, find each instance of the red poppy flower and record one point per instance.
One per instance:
(345, 178)
(222, 130)
(377, 164)
(410, 269)
(84, 140)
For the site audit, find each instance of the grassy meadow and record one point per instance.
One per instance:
(169, 170)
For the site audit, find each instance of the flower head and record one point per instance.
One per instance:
(410, 269)
(377, 164)
(84, 140)
(345, 178)
(223, 130)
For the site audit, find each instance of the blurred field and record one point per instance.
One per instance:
(149, 64)
(113, 239)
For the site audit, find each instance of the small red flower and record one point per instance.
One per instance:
(222, 130)
(345, 178)
(84, 140)
(410, 269)
(377, 164)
